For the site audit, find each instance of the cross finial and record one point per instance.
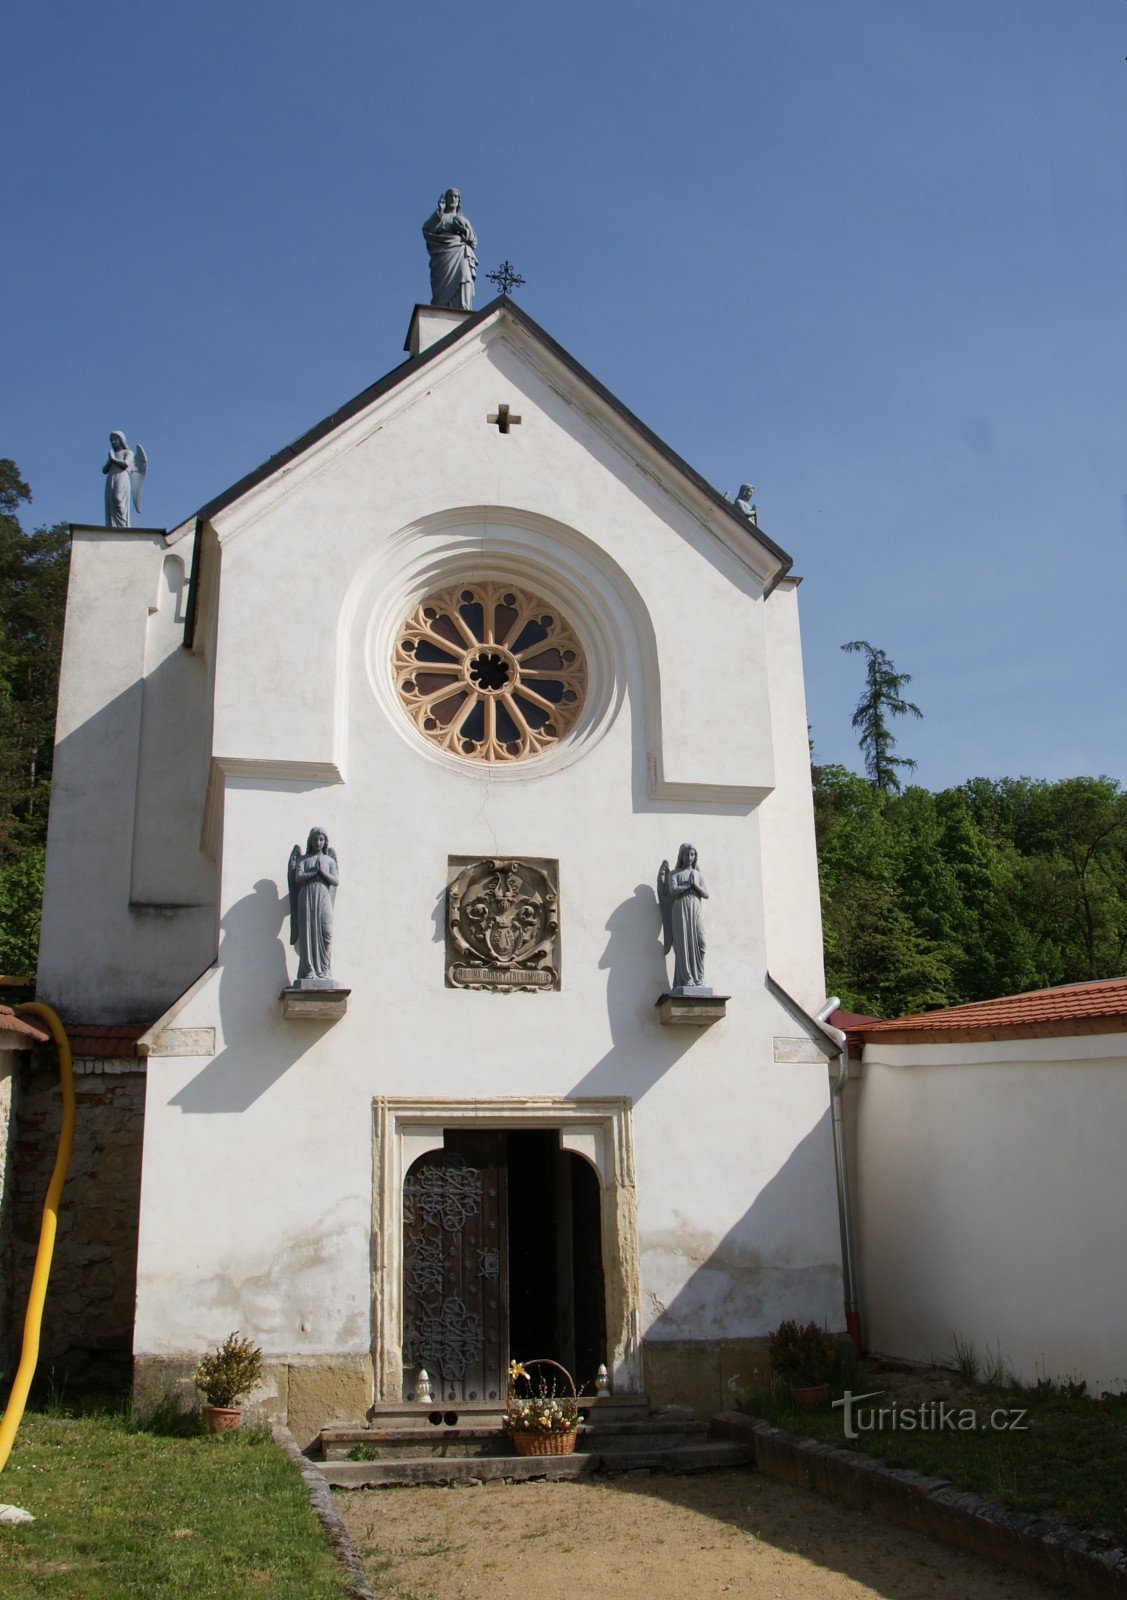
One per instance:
(507, 278)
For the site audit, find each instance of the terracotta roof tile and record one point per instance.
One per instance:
(845, 1020)
(10, 1023)
(105, 1040)
(1070, 1008)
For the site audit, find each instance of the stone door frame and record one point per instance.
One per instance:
(602, 1131)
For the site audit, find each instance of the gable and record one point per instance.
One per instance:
(503, 319)
(321, 565)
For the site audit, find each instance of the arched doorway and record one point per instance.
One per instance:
(502, 1256)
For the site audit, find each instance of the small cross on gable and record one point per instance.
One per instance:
(503, 418)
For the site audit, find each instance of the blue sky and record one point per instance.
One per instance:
(871, 257)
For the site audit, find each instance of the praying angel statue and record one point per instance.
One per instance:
(680, 890)
(125, 471)
(313, 876)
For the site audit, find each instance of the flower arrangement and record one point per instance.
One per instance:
(543, 1420)
(543, 1409)
(230, 1372)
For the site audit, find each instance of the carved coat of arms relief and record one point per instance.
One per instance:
(502, 924)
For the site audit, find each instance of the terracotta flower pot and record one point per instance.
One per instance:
(221, 1419)
(811, 1396)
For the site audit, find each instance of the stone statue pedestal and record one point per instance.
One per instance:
(690, 1007)
(431, 323)
(314, 1000)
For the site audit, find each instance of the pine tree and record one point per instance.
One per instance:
(881, 700)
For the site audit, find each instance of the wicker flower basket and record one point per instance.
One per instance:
(547, 1442)
(544, 1441)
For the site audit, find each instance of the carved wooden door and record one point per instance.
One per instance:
(456, 1270)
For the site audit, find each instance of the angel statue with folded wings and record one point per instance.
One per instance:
(680, 891)
(125, 471)
(313, 878)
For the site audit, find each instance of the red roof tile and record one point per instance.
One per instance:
(105, 1040)
(845, 1020)
(10, 1023)
(1097, 1006)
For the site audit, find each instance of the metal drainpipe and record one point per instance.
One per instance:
(844, 1211)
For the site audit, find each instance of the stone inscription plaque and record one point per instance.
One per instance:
(503, 923)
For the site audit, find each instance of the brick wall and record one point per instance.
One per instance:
(88, 1319)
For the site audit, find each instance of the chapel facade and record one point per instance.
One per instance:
(485, 640)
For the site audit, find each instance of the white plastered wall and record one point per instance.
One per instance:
(792, 908)
(272, 1136)
(990, 1200)
(129, 901)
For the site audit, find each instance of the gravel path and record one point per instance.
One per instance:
(642, 1536)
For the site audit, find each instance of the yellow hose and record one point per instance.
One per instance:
(33, 1322)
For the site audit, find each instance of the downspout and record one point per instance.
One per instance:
(844, 1210)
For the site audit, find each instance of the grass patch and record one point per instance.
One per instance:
(128, 1511)
(964, 1359)
(1068, 1461)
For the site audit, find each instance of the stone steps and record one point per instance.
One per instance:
(421, 1441)
(473, 1470)
(467, 1444)
(478, 1413)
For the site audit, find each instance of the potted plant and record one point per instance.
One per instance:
(230, 1372)
(803, 1358)
(542, 1421)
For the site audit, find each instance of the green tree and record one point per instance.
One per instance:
(877, 958)
(993, 953)
(33, 578)
(1076, 884)
(991, 888)
(1068, 842)
(21, 896)
(881, 699)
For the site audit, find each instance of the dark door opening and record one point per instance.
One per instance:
(502, 1257)
(556, 1297)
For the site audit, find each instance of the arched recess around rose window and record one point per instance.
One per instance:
(564, 565)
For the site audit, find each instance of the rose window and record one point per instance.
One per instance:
(490, 672)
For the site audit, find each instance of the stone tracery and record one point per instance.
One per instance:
(490, 672)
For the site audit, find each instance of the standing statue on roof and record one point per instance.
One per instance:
(453, 265)
(125, 478)
(745, 502)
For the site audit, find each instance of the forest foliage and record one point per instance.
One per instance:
(33, 580)
(990, 888)
(928, 899)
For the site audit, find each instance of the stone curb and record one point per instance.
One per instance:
(1050, 1551)
(321, 1499)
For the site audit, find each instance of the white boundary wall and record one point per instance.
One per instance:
(991, 1201)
